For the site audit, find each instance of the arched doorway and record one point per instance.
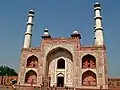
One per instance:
(31, 77)
(32, 62)
(60, 80)
(89, 78)
(88, 61)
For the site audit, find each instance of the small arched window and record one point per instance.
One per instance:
(61, 64)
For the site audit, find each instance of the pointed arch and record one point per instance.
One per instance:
(31, 77)
(89, 78)
(88, 61)
(60, 75)
(61, 64)
(59, 49)
(32, 62)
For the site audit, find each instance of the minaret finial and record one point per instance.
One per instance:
(98, 29)
(28, 33)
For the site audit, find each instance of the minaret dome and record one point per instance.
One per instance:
(46, 34)
(76, 34)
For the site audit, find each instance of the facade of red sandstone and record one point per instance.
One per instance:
(64, 62)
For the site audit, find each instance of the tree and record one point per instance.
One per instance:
(6, 71)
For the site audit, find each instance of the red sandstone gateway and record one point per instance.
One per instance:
(63, 63)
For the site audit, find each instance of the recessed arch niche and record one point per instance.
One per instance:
(31, 77)
(88, 61)
(32, 62)
(89, 78)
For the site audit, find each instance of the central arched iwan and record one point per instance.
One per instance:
(56, 53)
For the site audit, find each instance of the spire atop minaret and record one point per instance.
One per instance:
(28, 33)
(98, 29)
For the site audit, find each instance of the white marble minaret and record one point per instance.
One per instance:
(28, 33)
(99, 40)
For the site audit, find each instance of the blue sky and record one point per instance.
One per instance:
(61, 17)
